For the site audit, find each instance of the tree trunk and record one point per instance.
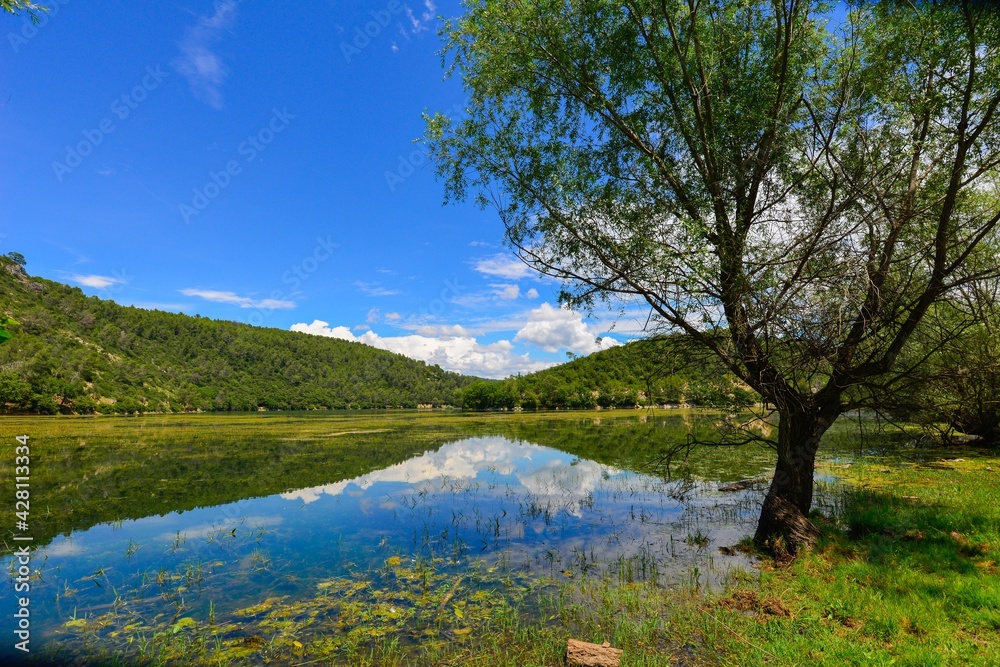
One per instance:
(784, 527)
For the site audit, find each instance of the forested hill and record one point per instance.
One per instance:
(73, 353)
(654, 371)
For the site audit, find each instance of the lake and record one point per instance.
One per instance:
(286, 538)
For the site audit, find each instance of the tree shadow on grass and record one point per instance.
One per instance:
(916, 557)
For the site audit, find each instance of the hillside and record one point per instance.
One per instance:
(71, 353)
(654, 371)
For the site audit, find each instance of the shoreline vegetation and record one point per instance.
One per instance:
(73, 354)
(905, 572)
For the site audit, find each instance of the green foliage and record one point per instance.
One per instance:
(4, 334)
(955, 386)
(76, 354)
(657, 371)
(26, 6)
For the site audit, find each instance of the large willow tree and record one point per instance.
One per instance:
(791, 186)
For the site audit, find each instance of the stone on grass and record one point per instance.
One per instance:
(583, 654)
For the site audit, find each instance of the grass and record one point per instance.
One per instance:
(905, 575)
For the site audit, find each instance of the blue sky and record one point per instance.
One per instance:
(253, 161)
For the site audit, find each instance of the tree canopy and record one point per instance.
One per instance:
(791, 190)
(644, 373)
(954, 385)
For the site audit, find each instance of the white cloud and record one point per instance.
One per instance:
(197, 62)
(503, 266)
(321, 328)
(373, 289)
(392, 317)
(553, 329)
(439, 330)
(414, 22)
(419, 25)
(97, 282)
(426, 326)
(554, 483)
(532, 293)
(497, 294)
(63, 547)
(462, 354)
(507, 292)
(235, 299)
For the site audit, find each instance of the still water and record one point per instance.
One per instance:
(458, 528)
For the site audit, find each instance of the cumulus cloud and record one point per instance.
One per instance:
(219, 296)
(198, 63)
(532, 293)
(97, 282)
(439, 330)
(503, 266)
(552, 478)
(507, 292)
(553, 329)
(462, 354)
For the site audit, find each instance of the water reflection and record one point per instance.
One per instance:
(508, 505)
(543, 472)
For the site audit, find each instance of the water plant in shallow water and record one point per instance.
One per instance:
(407, 601)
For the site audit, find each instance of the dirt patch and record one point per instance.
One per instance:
(749, 601)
